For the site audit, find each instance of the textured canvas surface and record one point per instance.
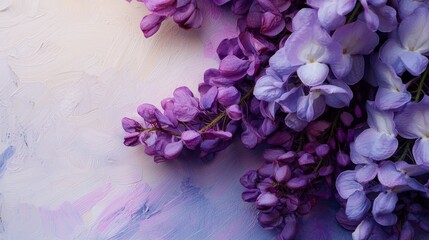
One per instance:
(69, 71)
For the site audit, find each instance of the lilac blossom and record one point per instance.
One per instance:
(356, 40)
(331, 13)
(379, 141)
(391, 93)
(407, 49)
(378, 15)
(413, 123)
(307, 51)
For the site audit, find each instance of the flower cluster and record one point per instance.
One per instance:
(338, 89)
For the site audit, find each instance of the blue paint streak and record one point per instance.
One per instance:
(4, 156)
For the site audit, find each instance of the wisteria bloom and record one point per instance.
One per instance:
(331, 13)
(391, 93)
(308, 52)
(413, 123)
(378, 15)
(407, 49)
(356, 40)
(379, 141)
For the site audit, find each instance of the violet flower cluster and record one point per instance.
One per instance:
(338, 90)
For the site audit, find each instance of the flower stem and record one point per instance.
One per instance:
(223, 113)
(354, 13)
(421, 83)
(405, 151)
(161, 130)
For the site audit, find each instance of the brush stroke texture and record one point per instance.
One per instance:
(69, 71)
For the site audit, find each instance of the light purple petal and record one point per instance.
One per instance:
(356, 38)
(208, 95)
(313, 74)
(391, 98)
(283, 174)
(384, 204)
(363, 230)
(234, 112)
(173, 150)
(344, 7)
(267, 200)
(356, 157)
(389, 176)
(280, 63)
(376, 145)
(191, 139)
(366, 173)
(414, 62)
(386, 17)
(310, 107)
(342, 66)
(288, 101)
(233, 68)
(337, 94)
(357, 72)
(418, 115)
(346, 184)
(414, 31)
(304, 18)
(328, 16)
(268, 88)
(390, 54)
(357, 205)
(380, 120)
(421, 151)
(228, 96)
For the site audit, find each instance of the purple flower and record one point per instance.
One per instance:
(379, 16)
(413, 123)
(407, 7)
(185, 104)
(391, 93)
(406, 50)
(379, 141)
(352, 191)
(356, 40)
(331, 13)
(150, 24)
(308, 51)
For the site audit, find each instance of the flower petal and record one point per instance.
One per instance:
(415, 63)
(313, 74)
(367, 173)
(376, 145)
(346, 184)
(268, 88)
(421, 151)
(357, 205)
(384, 204)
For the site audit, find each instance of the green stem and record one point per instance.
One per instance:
(223, 113)
(334, 125)
(421, 83)
(404, 153)
(162, 130)
(354, 13)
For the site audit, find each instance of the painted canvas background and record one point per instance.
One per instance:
(69, 71)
